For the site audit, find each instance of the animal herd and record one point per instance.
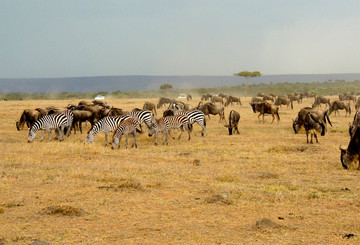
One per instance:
(179, 115)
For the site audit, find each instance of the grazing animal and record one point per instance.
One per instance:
(70, 118)
(188, 97)
(163, 101)
(266, 108)
(281, 100)
(347, 97)
(29, 117)
(114, 112)
(107, 124)
(222, 95)
(313, 124)
(210, 108)
(206, 97)
(194, 116)
(150, 107)
(81, 116)
(268, 97)
(127, 126)
(339, 105)
(215, 99)
(321, 100)
(164, 124)
(47, 122)
(351, 154)
(234, 118)
(256, 100)
(300, 119)
(355, 124)
(232, 99)
(142, 116)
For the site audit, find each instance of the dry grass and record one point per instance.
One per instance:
(208, 190)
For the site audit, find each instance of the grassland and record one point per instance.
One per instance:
(71, 193)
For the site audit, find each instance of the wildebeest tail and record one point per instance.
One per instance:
(326, 117)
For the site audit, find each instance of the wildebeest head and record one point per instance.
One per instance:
(345, 159)
(296, 125)
(253, 106)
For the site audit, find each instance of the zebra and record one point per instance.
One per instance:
(142, 116)
(107, 124)
(195, 116)
(127, 126)
(70, 117)
(47, 122)
(164, 124)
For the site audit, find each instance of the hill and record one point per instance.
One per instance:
(141, 83)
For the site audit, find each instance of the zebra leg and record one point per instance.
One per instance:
(126, 140)
(48, 132)
(166, 137)
(62, 133)
(106, 138)
(181, 131)
(134, 137)
(156, 137)
(170, 134)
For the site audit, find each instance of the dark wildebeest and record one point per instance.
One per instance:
(163, 101)
(268, 97)
(232, 99)
(206, 96)
(210, 108)
(150, 107)
(266, 108)
(294, 97)
(300, 119)
(355, 124)
(321, 100)
(282, 100)
(234, 118)
(347, 97)
(256, 100)
(115, 112)
(313, 124)
(339, 105)
(215, 99)
(222, 95)
(188, 97)
(29, 116)
(357, 105)
(350, 155)
(85, 103)
(260, 95)
(81, 116)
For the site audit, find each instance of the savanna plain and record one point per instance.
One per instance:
(71, 193)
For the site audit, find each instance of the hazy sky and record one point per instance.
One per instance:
(171, 37)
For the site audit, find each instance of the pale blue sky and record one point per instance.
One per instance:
(101, 38)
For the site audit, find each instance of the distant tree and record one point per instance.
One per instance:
(247, 75)
(165, 86)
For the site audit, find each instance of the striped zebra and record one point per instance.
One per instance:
(47, 122)
(70, 117)
(142, 116)
(127, 126)
(164, 124)
(195, 116)
(107, 124)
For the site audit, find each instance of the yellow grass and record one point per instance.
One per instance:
(71, 193)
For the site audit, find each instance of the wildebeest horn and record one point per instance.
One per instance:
(341, 148)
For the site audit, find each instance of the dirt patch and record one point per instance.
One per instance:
(224, 199)
(268, 175)
(265, 223)
(127, 184)
(64, 210)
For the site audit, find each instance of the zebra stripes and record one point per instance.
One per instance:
(195, 116)
(142, 116)
(127, 126)
(47, 122)
(164, 124)
(107, 124)
(70, 117)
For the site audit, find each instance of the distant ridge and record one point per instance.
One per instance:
(141, 83)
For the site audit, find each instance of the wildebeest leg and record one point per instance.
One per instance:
(316, 137)
(237, 129)
(259, 116)
(263, 117)
(307, 137)
(273, 118)
(188, 132)
(106, 137)
(119, 140)
(170, 134)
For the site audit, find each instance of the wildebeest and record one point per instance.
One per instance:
(355, 124)
(206, 96)
(188, 97)
(268, 97)
(232, 99)
(81, 116)
(321, 100)
(266, 108)
(215, 99)
(351, 154)
(234, 118)
(300, 119)
(282, 100)
(313, 124)
(294, 97)
(150, 107)
(114, 112)
(210, 108)
(357, 105)
(339, 105)
(347, 97)
(28, 117)
(256, 99)
(222, 95)
(163, 101)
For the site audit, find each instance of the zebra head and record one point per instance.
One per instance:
(32, 136)
(89, 138)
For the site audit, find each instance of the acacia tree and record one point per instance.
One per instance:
(247, 75)
(165, 87)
